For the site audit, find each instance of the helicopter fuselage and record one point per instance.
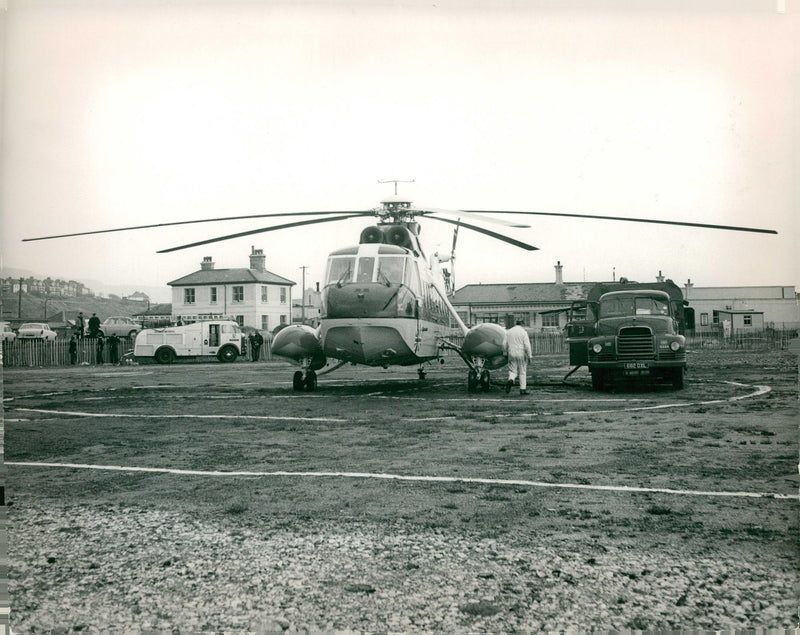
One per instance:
(381, 306)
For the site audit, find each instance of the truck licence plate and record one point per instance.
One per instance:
(636, 368)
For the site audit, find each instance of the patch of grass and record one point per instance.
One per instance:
(360, 588)
(658, 510)
(236, 508)
(480, 609)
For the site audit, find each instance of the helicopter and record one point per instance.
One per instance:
(384, 302)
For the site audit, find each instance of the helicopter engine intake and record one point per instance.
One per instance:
(299, 342)
(487, 342)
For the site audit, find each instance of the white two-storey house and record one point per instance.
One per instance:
(253, 297)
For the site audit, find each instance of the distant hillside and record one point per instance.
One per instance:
(33, 306)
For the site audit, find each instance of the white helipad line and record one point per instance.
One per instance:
(121, 415)
(400, 477)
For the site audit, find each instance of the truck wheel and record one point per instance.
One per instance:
(297, 381)
(598, 380)
(227, 354)
(165, 356)
(677, 378)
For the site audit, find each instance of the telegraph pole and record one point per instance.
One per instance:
(303, 297)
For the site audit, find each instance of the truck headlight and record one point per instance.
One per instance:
(597, 348)
(675, 346)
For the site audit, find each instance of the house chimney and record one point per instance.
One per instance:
(660, 276)
(258, 260)
(559, 275)
(207, 264)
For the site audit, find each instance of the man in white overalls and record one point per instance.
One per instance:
(518, 349)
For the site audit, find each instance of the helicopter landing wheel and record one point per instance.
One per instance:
(297, 381)
(472, 381)
(485, 380)
(421, 373)
(311, 381)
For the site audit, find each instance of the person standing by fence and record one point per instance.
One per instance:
(79, 325)
(73, 350)
(94, 325)
(256, 341)
(100, 346)
(113, 349)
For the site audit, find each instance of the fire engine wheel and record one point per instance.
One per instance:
(227, 354)
(311, 381)
(472, 381)
(485, 380)
(677, 378)
(297, 381)
(165, 356)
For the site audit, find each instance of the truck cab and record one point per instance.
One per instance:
(220, 339)
(636, 336)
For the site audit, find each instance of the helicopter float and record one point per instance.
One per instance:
(384, 302)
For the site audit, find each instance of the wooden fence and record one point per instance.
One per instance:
(34, 353)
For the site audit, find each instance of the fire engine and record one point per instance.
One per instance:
(220, 339)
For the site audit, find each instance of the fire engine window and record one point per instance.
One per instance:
(365, 267)
(390, 269)
(340, 270)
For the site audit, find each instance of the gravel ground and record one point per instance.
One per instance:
(114, 569)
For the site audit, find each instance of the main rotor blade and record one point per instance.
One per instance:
(481, 230)
(634, 220)
(258, 231)
(471, 214)
(202, 220)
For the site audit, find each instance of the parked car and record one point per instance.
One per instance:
(8, 333)
(119, 326)
(35, 331)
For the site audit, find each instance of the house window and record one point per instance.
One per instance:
(283, 296)
(283, 319)
(264, 294)
(240, 320)
(188, 296)
(704, 319)
(748, 320)
(550, 319)
(212, 295)
(265, 323)
(238, 294)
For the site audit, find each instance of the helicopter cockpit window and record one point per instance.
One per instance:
(340, 270)
(365, 267)
(390, 269)
(411, 277)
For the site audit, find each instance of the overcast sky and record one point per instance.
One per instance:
(127, 113)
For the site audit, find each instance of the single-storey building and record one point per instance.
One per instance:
(542, 306)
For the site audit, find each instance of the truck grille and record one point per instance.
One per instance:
(635, 343)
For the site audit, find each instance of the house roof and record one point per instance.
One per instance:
(521, 293)
(229, 276)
